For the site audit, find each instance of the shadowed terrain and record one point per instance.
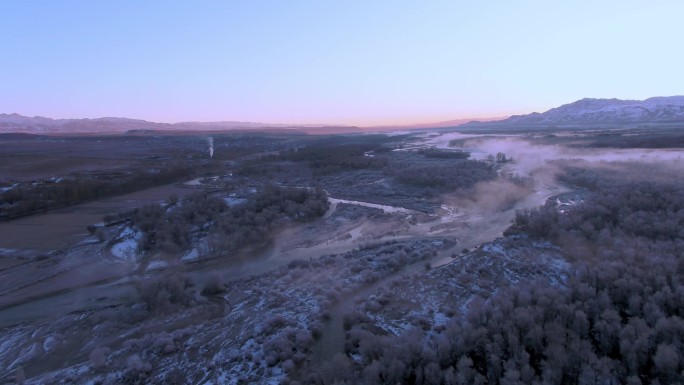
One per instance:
(417, 258)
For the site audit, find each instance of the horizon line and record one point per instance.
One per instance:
(426, 122)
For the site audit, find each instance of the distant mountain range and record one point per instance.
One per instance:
(582, 113)
(41, 125)
(598, 113)
(16, 123)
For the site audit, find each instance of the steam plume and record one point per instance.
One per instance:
(210, 140)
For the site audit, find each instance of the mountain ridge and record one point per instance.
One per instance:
(596, 112)
(582, 113)
(16, 123)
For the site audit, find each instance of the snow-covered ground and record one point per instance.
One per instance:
(253, 333)
(384, 208)
(8, 188)
(126, 248)
(191, 255)
(436, 295)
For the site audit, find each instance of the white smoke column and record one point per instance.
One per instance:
(210, 140)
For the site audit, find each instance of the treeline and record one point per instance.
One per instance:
(618, 320)
(648, 211)
(334, 158)
(432, 170)
(327, 155)
(444, 177)
(169, 230)
(28, 199)
(640, 210)
(443, 154)
(648, 138)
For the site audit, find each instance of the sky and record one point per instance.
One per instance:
(354, 62)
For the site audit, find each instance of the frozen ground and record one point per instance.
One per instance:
(88, 312)
(254, 331)
(427, 299)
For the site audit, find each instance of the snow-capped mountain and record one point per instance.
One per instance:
(600, 112)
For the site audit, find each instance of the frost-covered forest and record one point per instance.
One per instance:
(618, 318)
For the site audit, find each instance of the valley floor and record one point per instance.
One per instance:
(382, 261)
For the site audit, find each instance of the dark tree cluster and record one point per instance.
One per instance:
(28, 199)
(651, 212)
(252, 222)
(619, 319)
(170, 230)
(165, 294)
(331, 159)
(443, 154)
(323, 156)
(610, 325)
(649, 137)
(442, 177)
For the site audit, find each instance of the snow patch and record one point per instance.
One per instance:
(157, 265)
(191, 255)
(232, 201)
(384, 208)
(5, 189)
(127, 248)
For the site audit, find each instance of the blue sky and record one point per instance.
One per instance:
(346, 62)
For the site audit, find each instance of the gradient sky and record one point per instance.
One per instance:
(343, 62)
